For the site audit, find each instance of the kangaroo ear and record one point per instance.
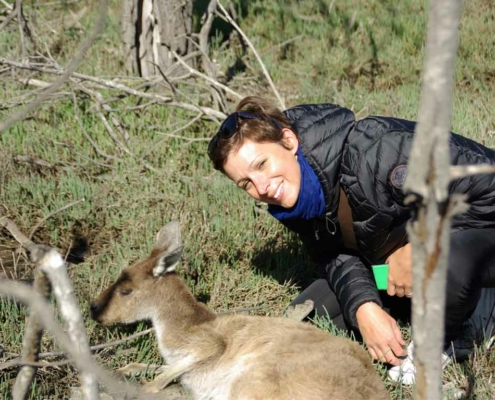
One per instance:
(168, 239)
(167, 262)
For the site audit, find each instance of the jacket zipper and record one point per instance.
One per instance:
(327, 220)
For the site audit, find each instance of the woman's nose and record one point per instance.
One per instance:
(262, 185)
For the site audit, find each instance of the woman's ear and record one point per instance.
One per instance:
(290, 140)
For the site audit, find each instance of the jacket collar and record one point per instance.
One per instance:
(322, 130)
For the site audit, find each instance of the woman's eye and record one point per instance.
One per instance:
(261, 164)
(126, 292)
(246, 186)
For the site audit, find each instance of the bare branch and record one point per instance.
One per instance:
(210, 112)
(7, 20)
(17, 234)
(32, 341)
(74, 63)
(40, 222)
(265, 71)
(19, 361)
(155, 145)
(20, 20)
(463, 171)
(99, 106)
(44, 310)
(207, 78)
(51, 262)
(203, 37)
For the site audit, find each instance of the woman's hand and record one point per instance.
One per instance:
(400, 272)
(380, 333)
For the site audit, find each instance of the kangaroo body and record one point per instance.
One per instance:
(234, 356)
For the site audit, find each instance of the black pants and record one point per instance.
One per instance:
(471, 268)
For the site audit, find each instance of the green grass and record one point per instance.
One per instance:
(366, 55)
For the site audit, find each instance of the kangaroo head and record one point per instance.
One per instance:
(144, 286)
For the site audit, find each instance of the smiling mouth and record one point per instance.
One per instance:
(279, 190)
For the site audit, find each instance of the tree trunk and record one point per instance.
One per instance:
(150, 29)
(427, 185)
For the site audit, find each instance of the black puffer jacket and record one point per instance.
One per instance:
(368, 158)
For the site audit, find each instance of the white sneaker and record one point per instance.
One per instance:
(406, 372)
(479, 328)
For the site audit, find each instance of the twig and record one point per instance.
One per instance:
(33, 161)
(93, 143)
(71, 148)
(283, 44)
(7, 20)
(155, 145)
(246, 309)
(17, 234)
(20, 20)
(18, 360)
(99, 107)
(462, 171)
(38, 364)
(265, 72)
(7, 5)
(74, 63)
(41, 221)
(206, 78)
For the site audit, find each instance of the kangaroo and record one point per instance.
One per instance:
(233, 356)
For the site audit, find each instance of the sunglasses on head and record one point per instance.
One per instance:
(230, 126)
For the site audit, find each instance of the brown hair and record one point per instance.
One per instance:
(258, 130)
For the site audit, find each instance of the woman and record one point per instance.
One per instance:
(337, 183)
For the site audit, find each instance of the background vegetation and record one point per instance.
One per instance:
(365, 55)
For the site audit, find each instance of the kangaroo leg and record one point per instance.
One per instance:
(168, 375)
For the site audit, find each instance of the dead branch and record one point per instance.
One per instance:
(41, 221)
(463, 171)
(207, 78)
(32, 341)
(90, 139)
(7, 5)
(265, 71)
(20, 20)
(99, 99)
(17, 234)
(48, 261)
(173, 134)
(51, 263)
(203, 38)
(7, 20)
(45, 312)
(74, 63)
(18, 360)
(209, 112)
(33, 161)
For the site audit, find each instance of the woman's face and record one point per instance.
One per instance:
(268, 172)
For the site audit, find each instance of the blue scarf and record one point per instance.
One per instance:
(311, 201)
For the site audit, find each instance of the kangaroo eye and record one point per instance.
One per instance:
(125, 292)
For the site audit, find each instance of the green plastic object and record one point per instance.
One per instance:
(381, 276)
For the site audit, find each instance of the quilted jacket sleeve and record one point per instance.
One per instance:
(349, 278)
(353, 283)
